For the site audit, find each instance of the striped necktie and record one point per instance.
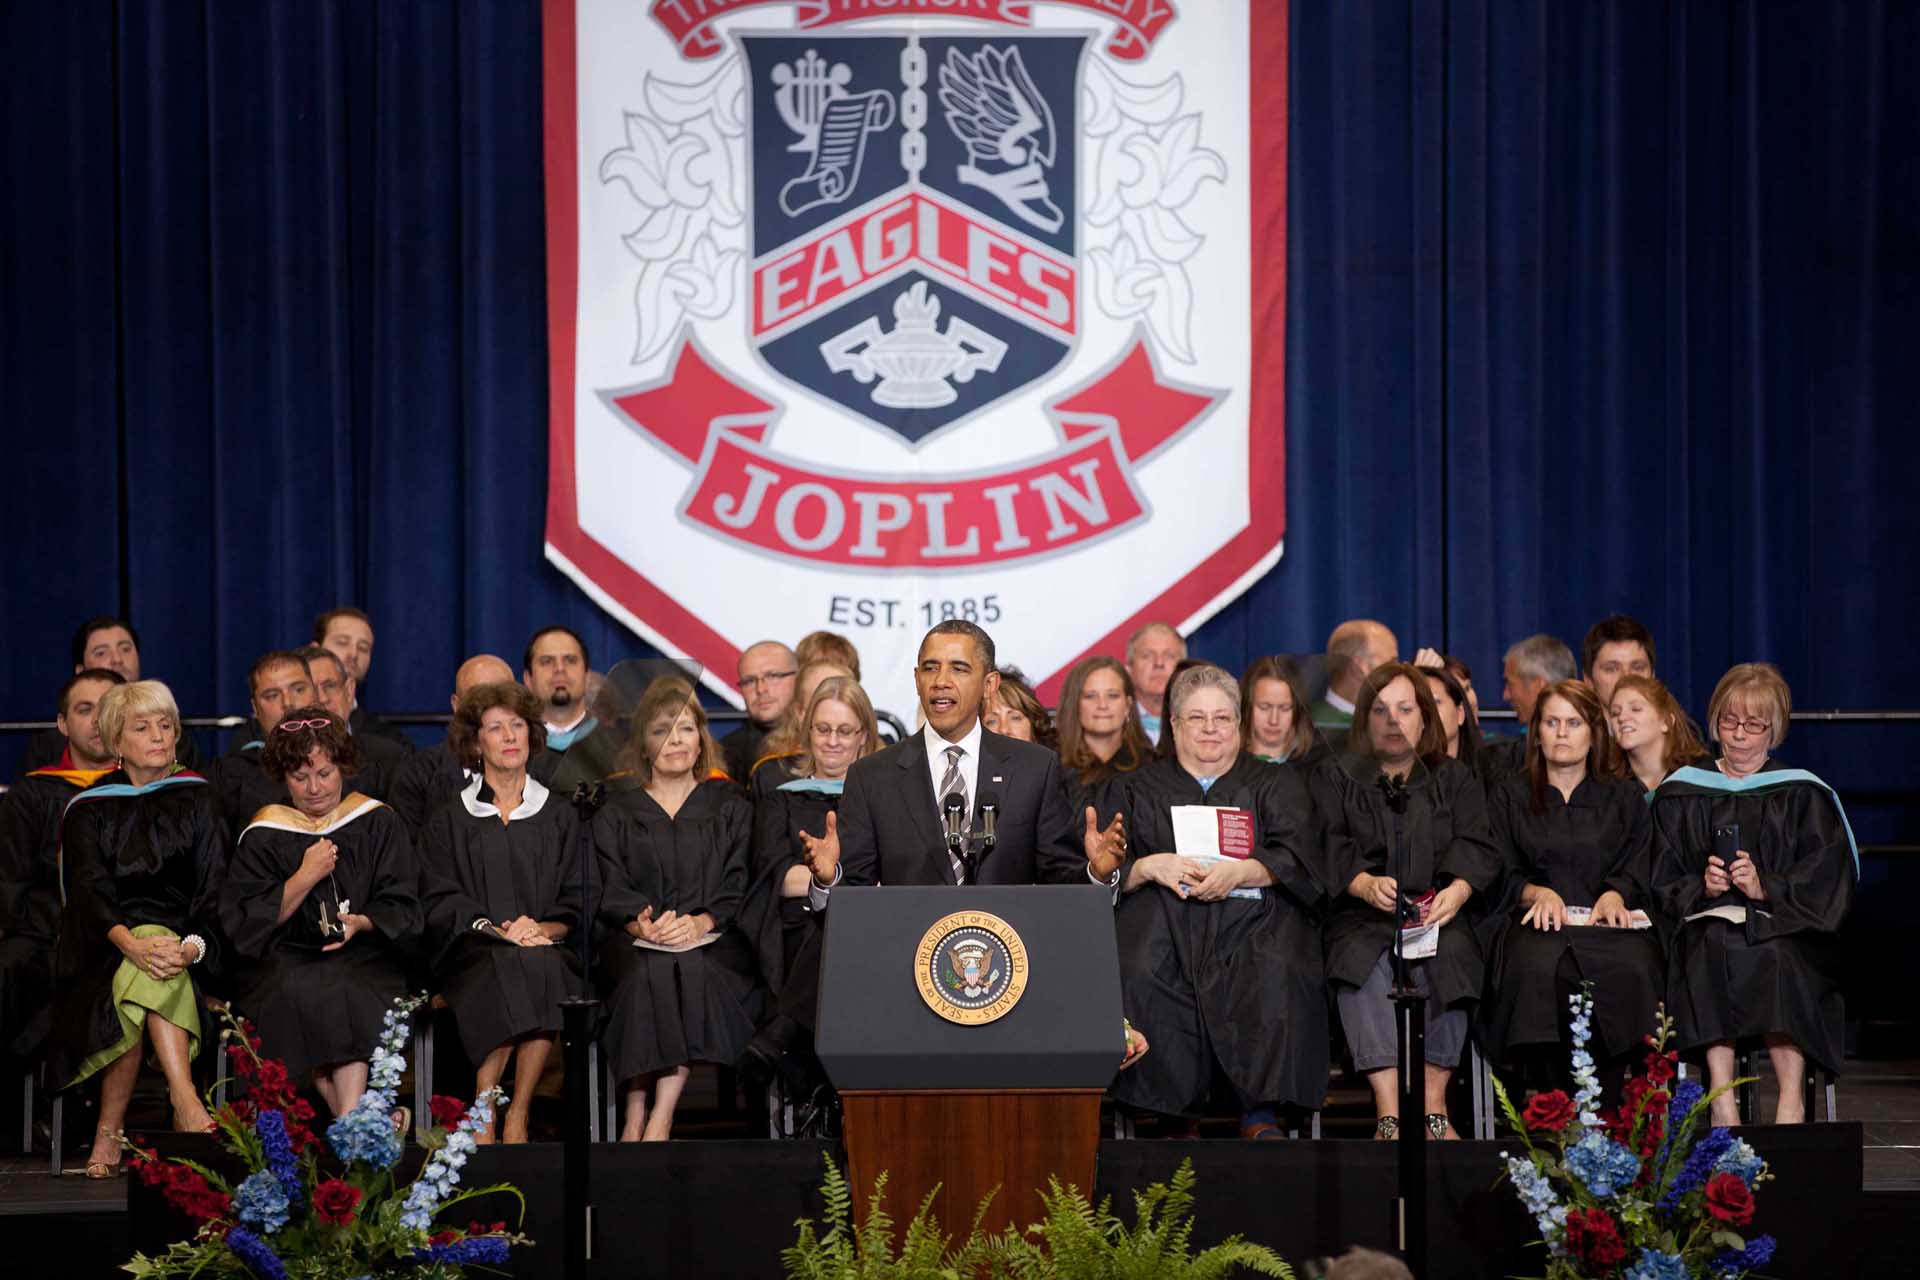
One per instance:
(953, 781)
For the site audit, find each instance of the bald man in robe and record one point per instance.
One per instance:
(1355, 648)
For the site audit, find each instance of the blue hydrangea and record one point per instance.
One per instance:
(1655, 1265)
(1602, 1164)
(256, 1253)
(366, 1133)
(481, 1249)
(1758, 1253)
(272, 1128)
(1700, 1162)
(261, 1201)
(1742, 1161)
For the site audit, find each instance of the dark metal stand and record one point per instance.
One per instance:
(1410, 1018)
(577, 1015)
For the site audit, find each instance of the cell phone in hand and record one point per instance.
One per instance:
(1726, 842)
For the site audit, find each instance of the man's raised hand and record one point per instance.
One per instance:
(823, 852)
(1107, 849)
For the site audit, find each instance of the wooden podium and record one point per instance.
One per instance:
(969, 1092)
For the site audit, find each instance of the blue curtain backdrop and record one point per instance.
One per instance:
(1593, 307)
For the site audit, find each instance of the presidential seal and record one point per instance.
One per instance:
(971, 967)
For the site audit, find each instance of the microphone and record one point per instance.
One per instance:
(953, 810)
(989, 820)
(1394, 789)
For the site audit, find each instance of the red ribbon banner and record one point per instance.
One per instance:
(690, 22)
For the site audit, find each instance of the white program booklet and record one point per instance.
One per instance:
(1212, 833)
(1582, 917)
(701, 941)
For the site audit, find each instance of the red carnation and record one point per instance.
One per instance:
(1593, 1238)
(447, 1112)
(1729, 1199)
(1549, 1110)
(335, 1201)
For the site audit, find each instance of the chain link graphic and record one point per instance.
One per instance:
(913, 108)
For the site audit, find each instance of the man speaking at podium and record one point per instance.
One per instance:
(894, 818)
(952, 778)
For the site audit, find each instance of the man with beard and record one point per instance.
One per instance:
(29, 861)
(578, 750)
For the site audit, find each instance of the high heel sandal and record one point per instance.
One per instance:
(99, 1170)
(1386, 1127)
(1438, 1126)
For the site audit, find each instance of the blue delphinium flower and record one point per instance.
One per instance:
(482, 1249)
(442, 1172)
(1731, 1262)
(1537, 1194)
(1586, 1082)
(1655, 1265)
(272, 1128)
(1742, 1161)
(1700, 1162)
(1603, 1164)
(256, 1253)
(260, 1201)
(1686, 1096)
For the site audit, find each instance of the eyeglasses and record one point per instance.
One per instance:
(289, 726)
(830, 732)
(1219, 720)
(754, 682)
(1729, 722)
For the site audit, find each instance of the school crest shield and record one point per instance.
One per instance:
(866, 315)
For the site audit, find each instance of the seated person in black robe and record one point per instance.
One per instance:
(434, 778)
(1275, 724)
(1220, 960)
(1573, 836)
(1444, 846)
(577, 748)
(782, 748)
(767, 678)
(501, 886)
(141, 856)
(319, 900)
(679, 978)
(347, 633)
(30, 862)
(840, 728)
(1652, 730)
(278, 682)
(1457, 718)
(1754, 870)
(381, 757)
(1100, 737)
(1528, 668)
(99, 644)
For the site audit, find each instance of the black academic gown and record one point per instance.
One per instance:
(45, 749)
(1500, 759)
(1781, 970)
(1445, 837)
(1599, 840)
(364, 724)
(154, 857)
(591, 757)
(245, 788)
(313, 1007)
(780, 928)
(740, 750)
(1239, 983)
(30, 903)
(426, 781)
(665, 1009)
(473, 866)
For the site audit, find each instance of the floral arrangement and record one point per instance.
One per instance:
(1630, 1193)
(289, 1220)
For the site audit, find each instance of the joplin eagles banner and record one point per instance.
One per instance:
(870, 313)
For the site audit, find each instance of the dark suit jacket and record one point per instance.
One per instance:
(890, 825)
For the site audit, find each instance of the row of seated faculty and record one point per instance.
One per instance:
(1604, 847)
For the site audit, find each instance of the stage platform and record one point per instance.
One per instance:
(718, 1204)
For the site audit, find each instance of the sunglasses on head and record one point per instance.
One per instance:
(289, 726)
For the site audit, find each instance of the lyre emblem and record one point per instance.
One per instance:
(802, 92)
(914, 361)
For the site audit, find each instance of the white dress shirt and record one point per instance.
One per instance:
(969, 763)
(1338, 703)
